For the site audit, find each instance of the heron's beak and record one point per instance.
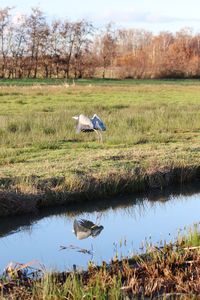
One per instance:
(75, 117)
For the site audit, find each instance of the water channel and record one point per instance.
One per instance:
(128, 223)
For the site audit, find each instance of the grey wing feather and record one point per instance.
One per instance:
(85, 223)
(80, 231)
(84, 228)
(82, 225)
(98, 123)
(96, 230)
(84, 123)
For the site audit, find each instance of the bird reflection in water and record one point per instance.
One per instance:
(84, 228)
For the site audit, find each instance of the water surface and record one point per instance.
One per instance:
(127, 222)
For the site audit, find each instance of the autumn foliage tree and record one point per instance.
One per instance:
(32, 47)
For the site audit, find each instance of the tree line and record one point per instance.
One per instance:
(31, 47)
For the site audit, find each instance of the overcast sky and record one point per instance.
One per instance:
(154, 15)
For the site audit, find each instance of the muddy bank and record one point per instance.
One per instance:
(12, 203)
(59, 192)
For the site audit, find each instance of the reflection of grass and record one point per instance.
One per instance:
(172, 271)
(153, 127)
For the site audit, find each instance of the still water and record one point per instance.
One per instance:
(127, 223)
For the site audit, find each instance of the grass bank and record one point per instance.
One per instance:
(170, 272)
(152, 140)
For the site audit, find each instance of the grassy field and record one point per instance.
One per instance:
(152, 137)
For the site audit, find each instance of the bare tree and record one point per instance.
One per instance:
(31, 47)
(4, 38)
(37, 31)
(83, 34)
(108, 48)
(68, 40)
(55, 48)
(18, 47)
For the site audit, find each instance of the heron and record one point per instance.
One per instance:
(85, 228)
(86, 124)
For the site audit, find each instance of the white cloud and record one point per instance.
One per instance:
(136, 17)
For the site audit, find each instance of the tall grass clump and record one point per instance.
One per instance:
(12, 127)
(192, 237)
(75, 286)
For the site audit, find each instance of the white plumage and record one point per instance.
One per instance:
(85, 228)
(86, 124)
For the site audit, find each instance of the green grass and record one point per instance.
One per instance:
(192, 238)
(151, 126)
(96, 81)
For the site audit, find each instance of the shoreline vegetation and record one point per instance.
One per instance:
(152, 140)
(14, 203)
(167, 272)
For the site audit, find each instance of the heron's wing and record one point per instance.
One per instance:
(96, 230)
(83, 225)
(83, 235)
(86, 223)
(98, 123)
(80, 230)
(84, 124)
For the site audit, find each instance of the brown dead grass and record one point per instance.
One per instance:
(168, 273)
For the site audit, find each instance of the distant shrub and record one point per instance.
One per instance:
(1, 132)
(16, 94)
(3, 94)
(130, 122)
(12, 127)
(21, 102)
(26, 127)
(120, 106)
(49, 130)
(48, 109)
(47, 145)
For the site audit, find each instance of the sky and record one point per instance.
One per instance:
(153, 15)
